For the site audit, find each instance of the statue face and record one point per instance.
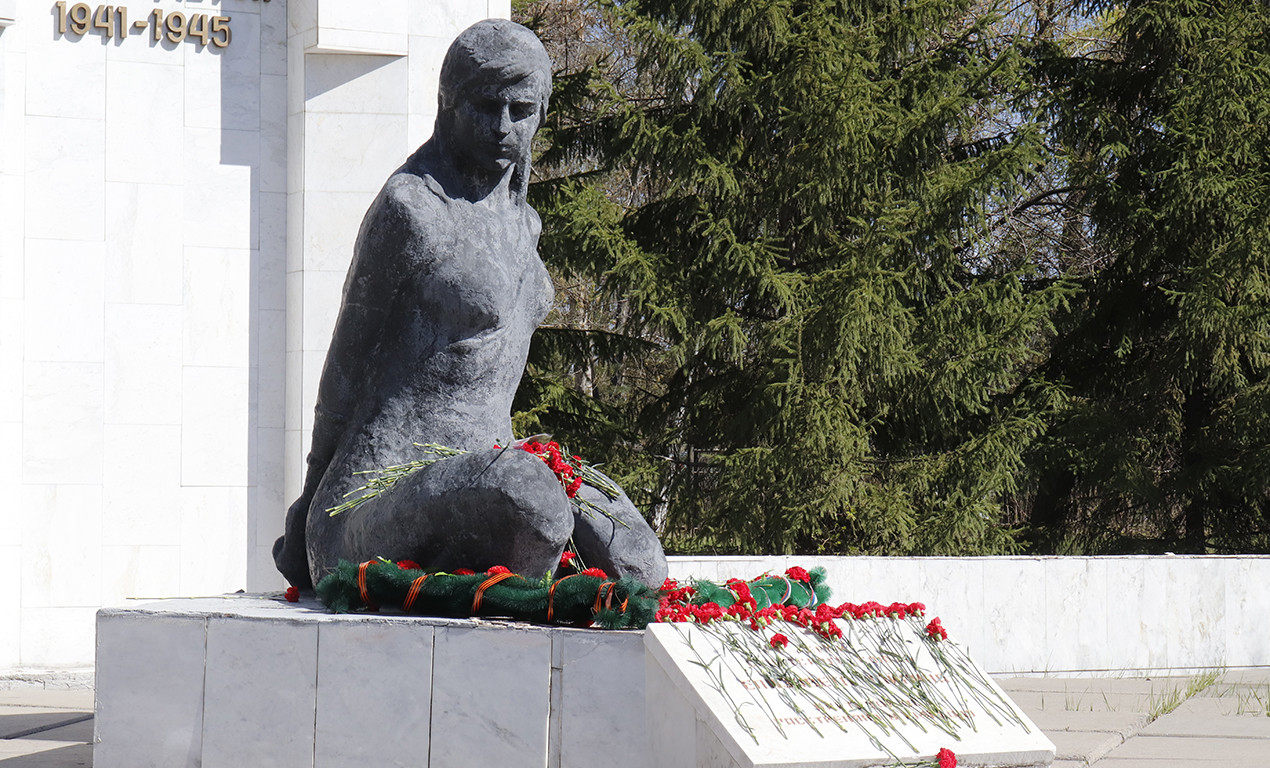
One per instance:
(495, 122)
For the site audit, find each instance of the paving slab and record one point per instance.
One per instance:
(56, 756)
(1214, 718)
(81, 730)
(1057, 721)
(1141, 686)
(11, 749)
(1185, 750)
(1084, 746)
(79, 698)
(1082, 701)
(16, 722)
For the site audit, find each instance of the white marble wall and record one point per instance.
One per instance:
(175, 221)
(1060, 615)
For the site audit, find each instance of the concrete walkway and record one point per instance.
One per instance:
(1164, 722)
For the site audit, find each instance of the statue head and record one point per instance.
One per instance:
(495, 82)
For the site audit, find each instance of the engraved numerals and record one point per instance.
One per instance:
(112, 21)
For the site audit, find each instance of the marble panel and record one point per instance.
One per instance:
(293, 463)
(11, 335)
(271, 266)
(1153, 608)
(58, 151)
(219, 195)
(382, 16)
(313, 362)
(295, 242)
(271, 360)
(670, 719)
(499, 9)
(68, 82)
(1076, 607)
(446, 20)
(141, 485)
(10, 604)
(262, 574)
(337, 83)
(149, 685)
(12, 231)
(952, 589)
(295, 381)
(217, 318)
(61, 545)
(268, 503)
(595, 724)
(273, 133)
(129, 572)
(11, 477)
(144, 123)
(222, 85)
(57, 637)
(13, 121)
(374, 714)
(331, 222)
(485, 713)
(216, 419)
(1126, 641)
(213, 540)
(427, 52)
(1197, 608)
(273, 38)
(62, 423)
(1013, 615)
(261, 693)
(301, 16)
(65, 289)
(323, 290)
(144, 237)
(347, 152)
(372, 26)
(1247, 644)
(419, 127)
(143, 364)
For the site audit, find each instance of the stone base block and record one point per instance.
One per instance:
(254, 681)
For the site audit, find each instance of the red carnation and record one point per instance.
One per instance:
(947, 759)
(499, 569)
(596, 572)
(463, 572)
(566, 558)
(798, 574)
(292, 595)
(935, 630)
(408, 565)
(779, 641)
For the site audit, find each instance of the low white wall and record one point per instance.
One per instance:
(1037, 615)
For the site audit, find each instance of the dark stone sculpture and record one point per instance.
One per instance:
(442, 296)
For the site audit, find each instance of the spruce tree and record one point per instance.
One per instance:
(794, 326)
(1165, 443)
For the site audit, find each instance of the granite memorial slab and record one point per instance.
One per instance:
(882, 694)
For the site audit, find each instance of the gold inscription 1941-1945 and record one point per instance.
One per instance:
(112, 20)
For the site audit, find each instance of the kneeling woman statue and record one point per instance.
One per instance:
(443, 293)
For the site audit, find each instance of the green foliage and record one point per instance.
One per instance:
(911, 276)
(1164, 445)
